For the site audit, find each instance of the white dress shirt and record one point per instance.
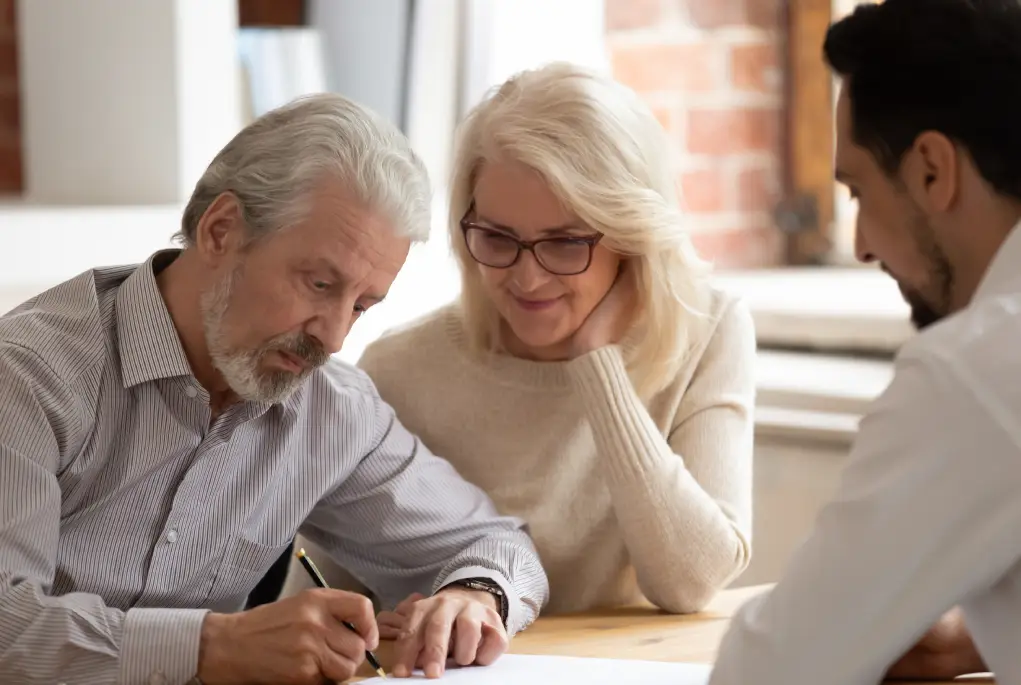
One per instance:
(927, 515)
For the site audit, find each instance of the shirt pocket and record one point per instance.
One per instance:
(242, 566)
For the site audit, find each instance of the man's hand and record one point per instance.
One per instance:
(944, 653)
(296, 640)
(455, 622)
(391, 623)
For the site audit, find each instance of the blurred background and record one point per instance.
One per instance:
(111, 109)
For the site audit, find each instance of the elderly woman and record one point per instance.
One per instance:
(589, 378)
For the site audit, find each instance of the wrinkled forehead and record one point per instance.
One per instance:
(340, 239)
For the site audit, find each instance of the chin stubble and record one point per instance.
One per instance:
(241, 368)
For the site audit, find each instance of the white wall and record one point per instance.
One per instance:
(364, 45)
(124, 102)
(794, 477)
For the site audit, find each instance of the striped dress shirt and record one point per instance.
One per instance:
(126, 513)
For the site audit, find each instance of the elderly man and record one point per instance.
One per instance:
(166, 428)
(928, 513)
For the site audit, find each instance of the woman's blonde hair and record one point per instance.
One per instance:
(605, 156)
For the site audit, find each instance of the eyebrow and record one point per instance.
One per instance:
(565, 228)
(324, 264)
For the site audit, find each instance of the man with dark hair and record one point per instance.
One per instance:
(924, 529)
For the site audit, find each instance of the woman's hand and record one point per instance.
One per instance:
(610, 320)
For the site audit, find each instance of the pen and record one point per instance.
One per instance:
(317, 578)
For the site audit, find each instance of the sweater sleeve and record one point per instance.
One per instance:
(683, 502)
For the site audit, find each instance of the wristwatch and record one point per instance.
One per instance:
(487, 585)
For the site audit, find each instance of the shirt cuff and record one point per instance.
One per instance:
(514, 608)
(161, 646)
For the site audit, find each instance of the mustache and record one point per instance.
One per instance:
(302, 346)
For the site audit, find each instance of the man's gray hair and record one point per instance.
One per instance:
(273, 163)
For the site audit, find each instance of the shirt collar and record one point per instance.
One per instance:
(1003, 273)
(150, 348)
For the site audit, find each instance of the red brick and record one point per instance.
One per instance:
(755, 67)
(665, 117)
(766, 14)
(665, 67)
(758, 189)
(711, 14)
(622, 15)
(10, 169)
(748, 246)
(704, 190)
(729, 131)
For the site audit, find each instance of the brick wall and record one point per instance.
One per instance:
(710, 70)
(10, 127)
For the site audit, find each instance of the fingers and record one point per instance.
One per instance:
(409, 645)
(469, 631)
(436, 641)
(467, 636)
(391, 625)
(355, 609)
(338, 667)
(404, 608)
(494, 641)
(344, 642)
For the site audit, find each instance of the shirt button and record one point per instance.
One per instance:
(171, 536)
(191, 392)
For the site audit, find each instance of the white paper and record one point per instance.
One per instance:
(512, 669)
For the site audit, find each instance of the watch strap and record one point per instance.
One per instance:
(490, 586)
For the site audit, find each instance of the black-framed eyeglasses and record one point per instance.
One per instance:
(561, 256)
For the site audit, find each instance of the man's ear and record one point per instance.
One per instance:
(221, 230)
(930, 170)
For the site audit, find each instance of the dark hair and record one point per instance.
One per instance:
(952, 66)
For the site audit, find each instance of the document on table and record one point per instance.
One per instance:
(557, 670)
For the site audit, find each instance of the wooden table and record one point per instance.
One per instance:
(632, 633)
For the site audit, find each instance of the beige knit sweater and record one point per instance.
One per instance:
(622, 500)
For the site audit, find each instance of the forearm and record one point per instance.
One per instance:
(77, 638)
(411, 523)
(682, 543)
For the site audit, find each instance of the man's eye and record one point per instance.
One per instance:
(360, 309)
(320, 285)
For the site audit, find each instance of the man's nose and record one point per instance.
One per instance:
(861, 246)
(331, 328)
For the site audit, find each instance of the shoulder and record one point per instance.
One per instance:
(419, 341)
(339, 381)
(68, 327)
(726, 328)
(975, 349)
